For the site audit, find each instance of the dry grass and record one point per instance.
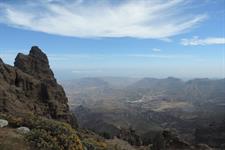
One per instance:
(117, 144)
(11, 140)
(165, 105)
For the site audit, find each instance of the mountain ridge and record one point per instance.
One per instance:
(30, 87)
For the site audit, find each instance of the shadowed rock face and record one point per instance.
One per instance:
(35, 64)
(30, 87)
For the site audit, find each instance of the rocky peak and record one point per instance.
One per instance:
(31, 88)
(35, 63)
(36, 52)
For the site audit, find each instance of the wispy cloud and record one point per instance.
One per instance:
(207, 41)
(156, 50)
(166, 56)
(82, 71)
(81, 18)
(71, 57)
(8, 56)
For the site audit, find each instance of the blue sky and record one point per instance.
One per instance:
(137, 38)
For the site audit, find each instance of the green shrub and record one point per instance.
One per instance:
(106, 135)
(93, 144)
(47, 134)
(41, 139)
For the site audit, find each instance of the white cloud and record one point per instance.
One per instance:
(79, 18)
(207, 41)
(156, 50)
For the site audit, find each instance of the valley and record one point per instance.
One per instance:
(190, 109)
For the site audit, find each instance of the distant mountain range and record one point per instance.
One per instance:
(150, 105)
(196, 90)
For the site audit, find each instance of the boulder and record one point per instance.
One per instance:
(23, 130)
(3, 123)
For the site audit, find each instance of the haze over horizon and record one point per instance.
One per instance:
(145, 38)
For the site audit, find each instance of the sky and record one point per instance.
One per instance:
(135, 38)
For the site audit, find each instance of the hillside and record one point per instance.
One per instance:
(31, 88)
(31, 99)
(192, 109)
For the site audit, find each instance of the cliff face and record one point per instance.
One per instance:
(31, 88)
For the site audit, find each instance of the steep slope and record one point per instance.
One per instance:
(89, 90)
(31, 97)
(29, 87)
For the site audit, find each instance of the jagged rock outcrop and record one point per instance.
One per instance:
(35, 64)
(31, 88)
(167, 140)
(130, 136)
(212, 135)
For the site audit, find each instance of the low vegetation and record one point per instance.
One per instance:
(47, 134)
